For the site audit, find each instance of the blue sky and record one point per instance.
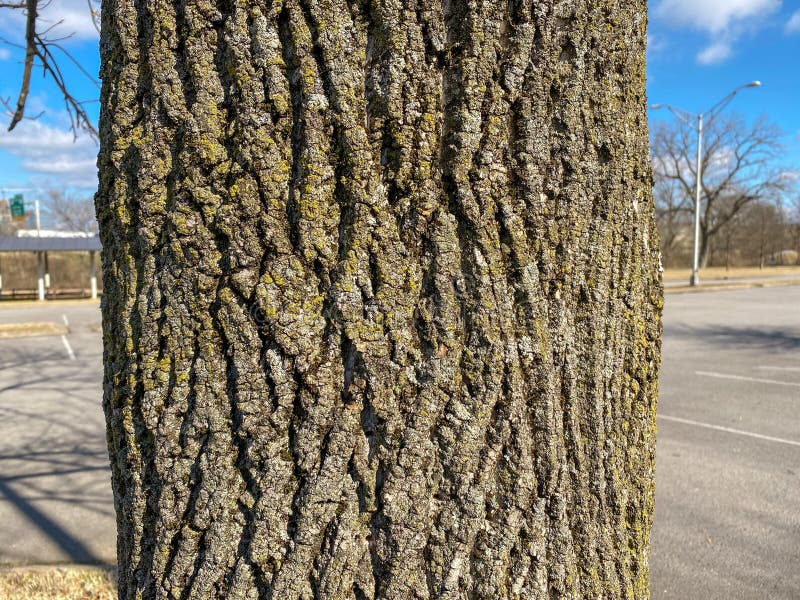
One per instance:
(698, 51)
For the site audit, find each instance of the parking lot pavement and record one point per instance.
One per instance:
(55, 491)
(727, 522)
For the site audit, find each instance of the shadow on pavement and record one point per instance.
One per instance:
(72, 546)
(56, 504)
(740, 337)
(45, 483)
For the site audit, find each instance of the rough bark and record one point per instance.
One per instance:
(382, 299)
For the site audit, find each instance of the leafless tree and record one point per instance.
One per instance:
(44, 49)
(7, 226)
(763, 227)
(792, 219)
(740, 166)
(674, 222)
(70, 212)
(729, 240)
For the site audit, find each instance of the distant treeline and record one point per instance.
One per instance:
(763, 234)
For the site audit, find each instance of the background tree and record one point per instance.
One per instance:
(674, 222)
(740, 165)
(793, 220)
(382, 302)
(729, 238)
(7, 227)
(763, 234)
(69, 212)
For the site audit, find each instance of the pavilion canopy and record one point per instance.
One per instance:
(48, 244)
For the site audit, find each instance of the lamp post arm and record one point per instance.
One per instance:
(682, 115)
(715, 110)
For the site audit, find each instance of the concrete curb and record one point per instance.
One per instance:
(744, 285)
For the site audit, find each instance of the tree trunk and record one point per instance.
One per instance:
(728, 234)
(796, 234)
(382, 298)
(705, 246)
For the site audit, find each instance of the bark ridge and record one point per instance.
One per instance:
(382, 298)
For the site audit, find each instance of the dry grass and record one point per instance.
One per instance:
(58, 584)
(53, 303)
(18, 330)
(733, 273)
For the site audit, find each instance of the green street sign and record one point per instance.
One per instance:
(17, 205)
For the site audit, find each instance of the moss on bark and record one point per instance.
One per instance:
(382, 299)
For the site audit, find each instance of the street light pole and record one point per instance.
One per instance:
(684, 115)
(695, 278)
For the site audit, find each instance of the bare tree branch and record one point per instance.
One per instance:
(79, 119)
(39, 45)
(95, 15)
(30, 53)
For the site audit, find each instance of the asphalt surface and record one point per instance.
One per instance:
(727, 523)
(55, 490)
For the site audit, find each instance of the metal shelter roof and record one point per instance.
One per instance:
(48, 244)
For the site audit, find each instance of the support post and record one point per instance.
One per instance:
(40, 275)
(46, 272)
(695, 278)
(93, 276)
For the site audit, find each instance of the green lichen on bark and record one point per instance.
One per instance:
(382, 301)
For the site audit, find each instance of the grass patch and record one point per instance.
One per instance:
(58, 583)
(54, 303)
(18, 330)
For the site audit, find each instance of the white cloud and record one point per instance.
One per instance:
(49, 153)
(5, 53)
(67, 17)
(714, 16)
(715, 53)
(793, 26)
(725, 21)
(655, 44)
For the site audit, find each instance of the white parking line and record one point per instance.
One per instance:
(70, 353)
(66, 323)
(743, 378)
(768, 438)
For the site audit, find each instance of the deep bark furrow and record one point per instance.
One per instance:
(382, 307)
